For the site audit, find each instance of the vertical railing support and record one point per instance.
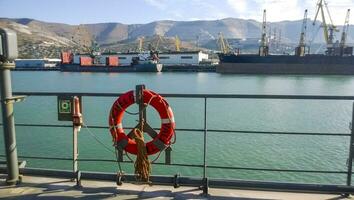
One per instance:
(7, 101)
(351, 148)
(77, 123)
(139, 93)
(120, 155)
(76, 156)
(168, 156)
(350, 158)
(205, 178)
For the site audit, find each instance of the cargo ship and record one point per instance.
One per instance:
(108, 63)
(337, 60)
(286, 64)
(152, 61)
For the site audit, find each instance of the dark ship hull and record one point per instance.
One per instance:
(108, 69)
(286, 64)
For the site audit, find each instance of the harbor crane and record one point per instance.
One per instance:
(264, 48)
(197, 42)
(223, 44)
(328, 28)
(177, 44)
(140, 44)
(301, 48)
(159, 40)
(343, 49)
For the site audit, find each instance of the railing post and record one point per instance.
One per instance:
(350, 159)
(139, 89)
(9, 123)
(205, 178)
(75, 156)
(77, 123)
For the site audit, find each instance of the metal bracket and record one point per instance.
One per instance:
(176, 180)
(119, 179)
(78, 179)
(205, 187)
(22, 164)
(14, 99)
(7, 65)
(168, 155)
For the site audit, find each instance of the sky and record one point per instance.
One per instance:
(145, 11)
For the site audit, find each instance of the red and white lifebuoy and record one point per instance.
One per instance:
(123, 141)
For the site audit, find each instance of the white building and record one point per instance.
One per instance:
(183, 58)
(168, 58)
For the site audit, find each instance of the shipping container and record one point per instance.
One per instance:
(77, 59)
(85, 61)
(112, 61)
(66, 57)
(103, 60)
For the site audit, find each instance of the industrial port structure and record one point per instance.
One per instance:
(337, 60)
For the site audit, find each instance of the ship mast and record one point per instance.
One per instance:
(300, 50)
(263, 48)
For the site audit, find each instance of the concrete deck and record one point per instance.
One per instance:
(56, 188)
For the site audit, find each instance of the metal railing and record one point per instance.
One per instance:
(346, 188)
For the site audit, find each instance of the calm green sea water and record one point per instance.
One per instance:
(224, 149)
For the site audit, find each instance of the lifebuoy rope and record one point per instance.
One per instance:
(142, 164)
(104, 145)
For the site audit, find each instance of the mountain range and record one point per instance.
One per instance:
(43, 36)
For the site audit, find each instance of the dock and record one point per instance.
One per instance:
(35, 187)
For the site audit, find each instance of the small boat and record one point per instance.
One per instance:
(147, 63)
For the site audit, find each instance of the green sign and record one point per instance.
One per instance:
(65, 108)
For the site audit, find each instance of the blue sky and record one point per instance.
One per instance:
(143, 11)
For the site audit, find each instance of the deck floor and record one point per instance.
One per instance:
(57, 188)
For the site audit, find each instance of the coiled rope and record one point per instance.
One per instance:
(142, 163)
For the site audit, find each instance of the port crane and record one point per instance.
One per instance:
(343, 49)
(197, 42)
(328, 28)
(300, 50)
(264, 48)
(140, 44)
(159, 40)
(223, 44)
(177, 44)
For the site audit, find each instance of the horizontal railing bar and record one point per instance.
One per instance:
(235, 96)
(96, 160)
(154, 163)
(43, 125)
(41, 158)
(277, 170)
(187, 165)
(279, 133)
(198, 130)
